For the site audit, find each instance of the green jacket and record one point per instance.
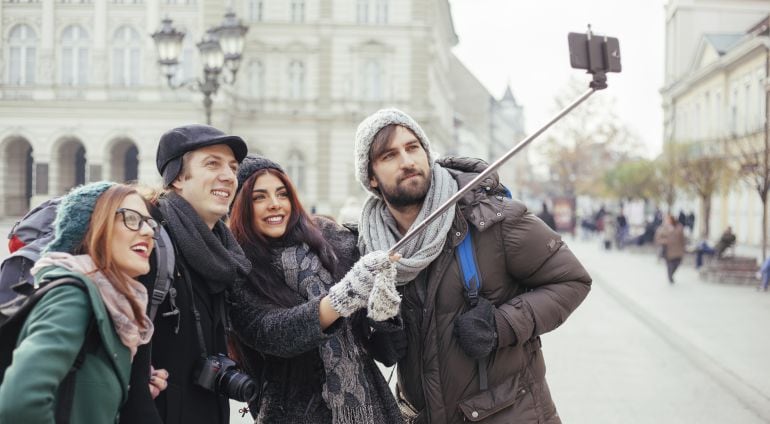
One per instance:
(47, 347)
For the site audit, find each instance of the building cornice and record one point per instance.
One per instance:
(744, 49)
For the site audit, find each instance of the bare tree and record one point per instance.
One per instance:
(751, 154)
(585, 144)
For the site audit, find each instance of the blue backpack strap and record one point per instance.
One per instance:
(472, 283)
(471, 276)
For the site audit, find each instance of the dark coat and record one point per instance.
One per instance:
(179, 352)
(532, 278)
(288, 337)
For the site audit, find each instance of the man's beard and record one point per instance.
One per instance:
(401, 196)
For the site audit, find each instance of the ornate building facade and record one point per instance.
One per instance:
(82, 98)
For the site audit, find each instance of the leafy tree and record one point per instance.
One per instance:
(702, 173)
(637, 178)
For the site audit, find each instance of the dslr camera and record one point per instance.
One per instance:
(220, 374)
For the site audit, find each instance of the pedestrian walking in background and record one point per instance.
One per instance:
(764, 275)
(471, 356)
(670, 236)
(103, 237)
(300, 318)
(547, 217)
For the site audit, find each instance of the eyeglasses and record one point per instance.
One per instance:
(133, 219)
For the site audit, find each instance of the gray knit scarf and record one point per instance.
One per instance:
(212, 253)
(345, 388)
(378, 229)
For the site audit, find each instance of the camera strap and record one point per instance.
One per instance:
(196, 313)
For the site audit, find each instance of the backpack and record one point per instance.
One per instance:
(18, 311)
(34, 231)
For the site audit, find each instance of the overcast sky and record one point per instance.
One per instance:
(525, 42)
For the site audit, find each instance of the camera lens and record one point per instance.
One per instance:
(237, 385)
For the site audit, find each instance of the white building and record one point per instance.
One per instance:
(717, 55)
(82, 99)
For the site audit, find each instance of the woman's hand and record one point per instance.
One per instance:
(158, 381)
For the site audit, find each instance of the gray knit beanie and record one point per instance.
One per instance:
(74, 215)
(369, 127)
(252, 164)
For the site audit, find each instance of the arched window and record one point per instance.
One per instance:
(255, 8)
(362, 9)
(186, 68)
(381, 11)
(372, 80)
(256, 79)
(296, 79)
(74, 56)
(295, 167)
(21, 57)
(297, 10)
(126, 57)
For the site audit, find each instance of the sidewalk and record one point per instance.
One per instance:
(640, 350)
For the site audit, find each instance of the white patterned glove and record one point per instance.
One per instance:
(384, 299)
(352, 292)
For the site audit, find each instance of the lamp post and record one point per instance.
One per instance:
(221, 48)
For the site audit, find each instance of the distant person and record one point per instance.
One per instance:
(726, 241)
(610, 230)
(690, 221)
(702, 250)
(547, 217)
(670, 236)
(764, 275)
(682, 218)
(622, 230)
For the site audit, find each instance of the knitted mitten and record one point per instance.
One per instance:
(384, 300)
(352, 292)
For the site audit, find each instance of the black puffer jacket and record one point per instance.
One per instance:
(288, 337)
(532, 279)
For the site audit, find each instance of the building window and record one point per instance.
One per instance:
(362, 11)
(381, 13)
(295, 167)
(21, 57)
(255, 8)
(74, 56)
(372, 80)
(747, 124)
(126, 57)
(256, 79)
(296, 79)
(297, 10)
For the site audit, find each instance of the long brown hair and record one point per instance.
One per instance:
(299, 229)
(97, 243)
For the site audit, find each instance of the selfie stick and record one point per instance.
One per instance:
(599, 82)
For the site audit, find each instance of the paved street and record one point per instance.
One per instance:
(642, 351)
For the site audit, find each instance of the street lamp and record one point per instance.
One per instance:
(220, 48)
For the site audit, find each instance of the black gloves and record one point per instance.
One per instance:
(476, 330)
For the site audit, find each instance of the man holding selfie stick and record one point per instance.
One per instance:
(481, 277)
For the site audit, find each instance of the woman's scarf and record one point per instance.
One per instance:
(378, 229)
(211, 253)
(345, 388)
(117, 305)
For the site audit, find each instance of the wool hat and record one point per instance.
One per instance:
(252, 164)
(369, 128)
(73, 216)
(178, 141)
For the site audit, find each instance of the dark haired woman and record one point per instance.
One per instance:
(300, 313)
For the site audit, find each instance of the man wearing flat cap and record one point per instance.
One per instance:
(199, 165)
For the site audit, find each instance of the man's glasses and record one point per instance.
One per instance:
(133, 220)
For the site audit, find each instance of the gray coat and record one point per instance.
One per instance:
(290, 336)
